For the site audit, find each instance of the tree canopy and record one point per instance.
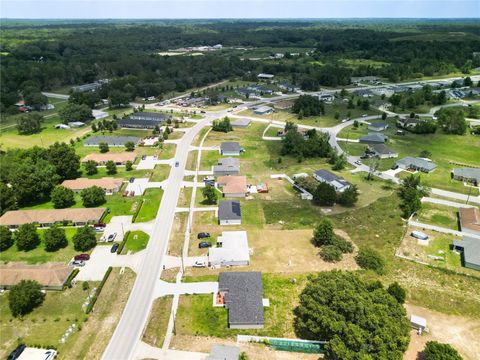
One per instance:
(93, 196)
(438, 351)
(25, 297)
(84, 239)
(359, 319)
(27, 237)
(62, 197)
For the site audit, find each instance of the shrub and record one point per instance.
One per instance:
(438, 351)
(27, 237)
(93, 196)
(62, 197)
(84, 239)
(397, 292)
(323, 233)
(6, 238)
(331, 253)
(55, 239)
(371, 260)
(24, 297)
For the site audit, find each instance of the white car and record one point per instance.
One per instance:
(78, 263)
(112, 237)
(358, 162)
(199, 264)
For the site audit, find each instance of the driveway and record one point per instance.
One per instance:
(139, 185)
(456, 196)
(441, 229)
(163, 288)
(101, 258)
(119, 225)
(151, 161)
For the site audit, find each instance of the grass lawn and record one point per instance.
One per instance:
(197, 316)
(152, 198)
(121, 173)
(185, 197)
(448, 152)
(177, 236)
(160, 173)
(439, 215)
(167, 151)
(39, 255)
(157, 324)
(136, 241)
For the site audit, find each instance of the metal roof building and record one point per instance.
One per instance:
(233, 250)
(470, 248)
(111, 140)
(467, 174)
(243, 292)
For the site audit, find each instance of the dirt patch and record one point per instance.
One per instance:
(460, 332)
(254, 351)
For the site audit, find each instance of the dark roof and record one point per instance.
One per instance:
(327, 175)
(378, 125)
(471, 249)
(373, 138)
(243, 298)
(381, 149)
(229, 210)
(471, 173)
(223, 352)
(230, 146)
(111, 140)
(139, 123)
(152, 116)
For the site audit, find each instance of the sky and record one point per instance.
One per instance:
(211, 9)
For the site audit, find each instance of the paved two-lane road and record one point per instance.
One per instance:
(129, 330)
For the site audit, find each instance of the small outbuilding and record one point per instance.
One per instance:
(417, 322)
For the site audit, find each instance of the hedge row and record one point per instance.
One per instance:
(122, 244)
(99, 290)
(139, 207)
(68, 283)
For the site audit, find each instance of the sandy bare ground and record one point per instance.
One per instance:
(254, 351)
(460, 332)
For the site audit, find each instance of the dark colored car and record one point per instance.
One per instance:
(15, 354)
(204, 244)
(132, 179)
(177, 163)
(83, 257)
(203, 112)
(114, 248)
(144, 157)
(203, 235)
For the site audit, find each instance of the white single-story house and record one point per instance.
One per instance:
(232, 250)
(339, 183)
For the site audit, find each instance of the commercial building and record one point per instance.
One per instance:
(117, 158)
(45, 218)
(109, 184)
(242, 295)
(232, 250)
(339, 183)
(233, 186)
(113, 141)
(52, 276)
(227, 166)
(416, 164)
(144, 120)
(229, 212)
(263, 76)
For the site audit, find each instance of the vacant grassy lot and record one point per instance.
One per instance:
(177, 236)
(439, 215)
(160, 173)
(197, 316)
(39, 255)
(448, 152)
(151, 203)
(157, 324)
(136, 241)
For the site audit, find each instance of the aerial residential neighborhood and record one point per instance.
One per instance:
(232, 189)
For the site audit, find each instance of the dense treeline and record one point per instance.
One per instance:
(82, 53)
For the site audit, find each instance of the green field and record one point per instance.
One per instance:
(151, 203)
(439, 215)
(157, 325)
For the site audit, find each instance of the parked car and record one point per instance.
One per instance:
(199, 264)
(15, 354)
(81, 257)
(394, 167)
(144, 157)
(98, 228)
(358, 162)
(177, 163)
(125, 193)
(203, 235)
(132, 179)
(78, 263)
(202, 111)
(364, 115)
(102, 225)
(204, 244)
(112, 237)
(114, 248)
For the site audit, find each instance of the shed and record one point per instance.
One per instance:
(418, 322)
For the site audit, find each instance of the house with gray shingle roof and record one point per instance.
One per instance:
(227, 166)
(470, 248)
(339, 183)
(471, 175)
(417, 164)
(375, 138)
(382, 151)
(242, 296)
(229, 212)
(230, 148)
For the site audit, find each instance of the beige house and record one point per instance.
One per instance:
(49, 217)
(110, 185)
(233, 186)
(117, 158)
(52, 276)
